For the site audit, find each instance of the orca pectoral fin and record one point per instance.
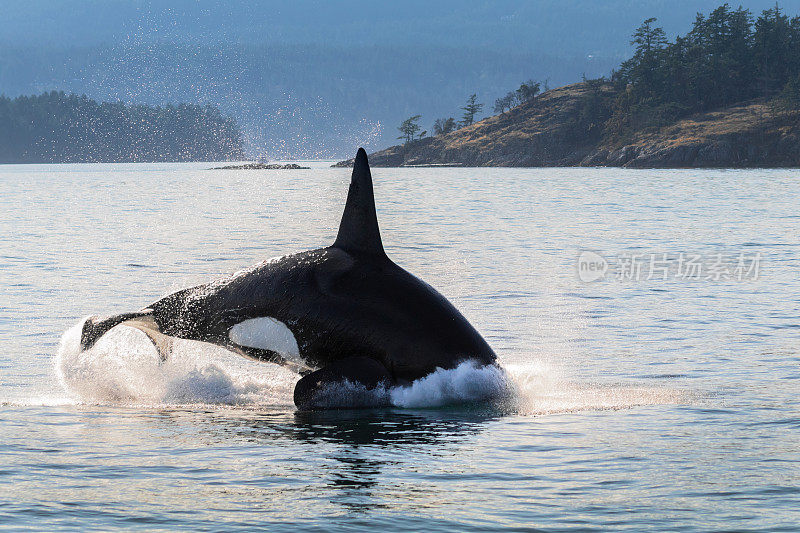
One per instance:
(162, 343)
(345, 384)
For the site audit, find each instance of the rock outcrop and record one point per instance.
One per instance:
(553, 130)
(263, 166)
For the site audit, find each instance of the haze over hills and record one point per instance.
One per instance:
(314, 79)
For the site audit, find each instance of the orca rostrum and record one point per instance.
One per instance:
(335, 314)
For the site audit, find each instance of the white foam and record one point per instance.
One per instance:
(123, 367)
(468, 382)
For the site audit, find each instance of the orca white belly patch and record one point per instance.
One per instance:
(266, 333)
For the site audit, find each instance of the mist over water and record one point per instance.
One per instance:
(639, 404)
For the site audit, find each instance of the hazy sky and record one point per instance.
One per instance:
(314, 78)
(566, 26)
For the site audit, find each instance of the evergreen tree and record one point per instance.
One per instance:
(726, 58)
(409, 128)
(641, 70)
(470, 110)
(775, 49)
(789, 97)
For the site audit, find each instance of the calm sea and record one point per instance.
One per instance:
(648, 321)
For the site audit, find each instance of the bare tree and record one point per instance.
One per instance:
(528, 91)
(506, 102)
(443, 126)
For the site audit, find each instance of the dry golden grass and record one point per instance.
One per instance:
(545, 132)
(700, 128)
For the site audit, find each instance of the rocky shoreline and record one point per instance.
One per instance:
(263, 166)
(547, 133)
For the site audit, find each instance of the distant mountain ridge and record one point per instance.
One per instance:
(314, 79)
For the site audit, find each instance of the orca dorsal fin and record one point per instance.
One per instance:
(358, 231)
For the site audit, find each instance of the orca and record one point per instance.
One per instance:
(341, 313)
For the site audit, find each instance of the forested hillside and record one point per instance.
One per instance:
(314, 79)
(726, 58)
(727, 93)
(58, 128)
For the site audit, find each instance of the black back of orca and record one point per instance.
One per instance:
(344, 303)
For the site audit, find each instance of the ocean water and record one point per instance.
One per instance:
(648, 324)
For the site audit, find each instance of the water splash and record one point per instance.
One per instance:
(542, 388)
(468, 382)
(122, 367)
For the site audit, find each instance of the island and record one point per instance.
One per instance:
(726, 94)
(55, 127)
(263, 166)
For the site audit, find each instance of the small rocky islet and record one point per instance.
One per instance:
(263, 166)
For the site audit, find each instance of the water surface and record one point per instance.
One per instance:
(639, 404)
